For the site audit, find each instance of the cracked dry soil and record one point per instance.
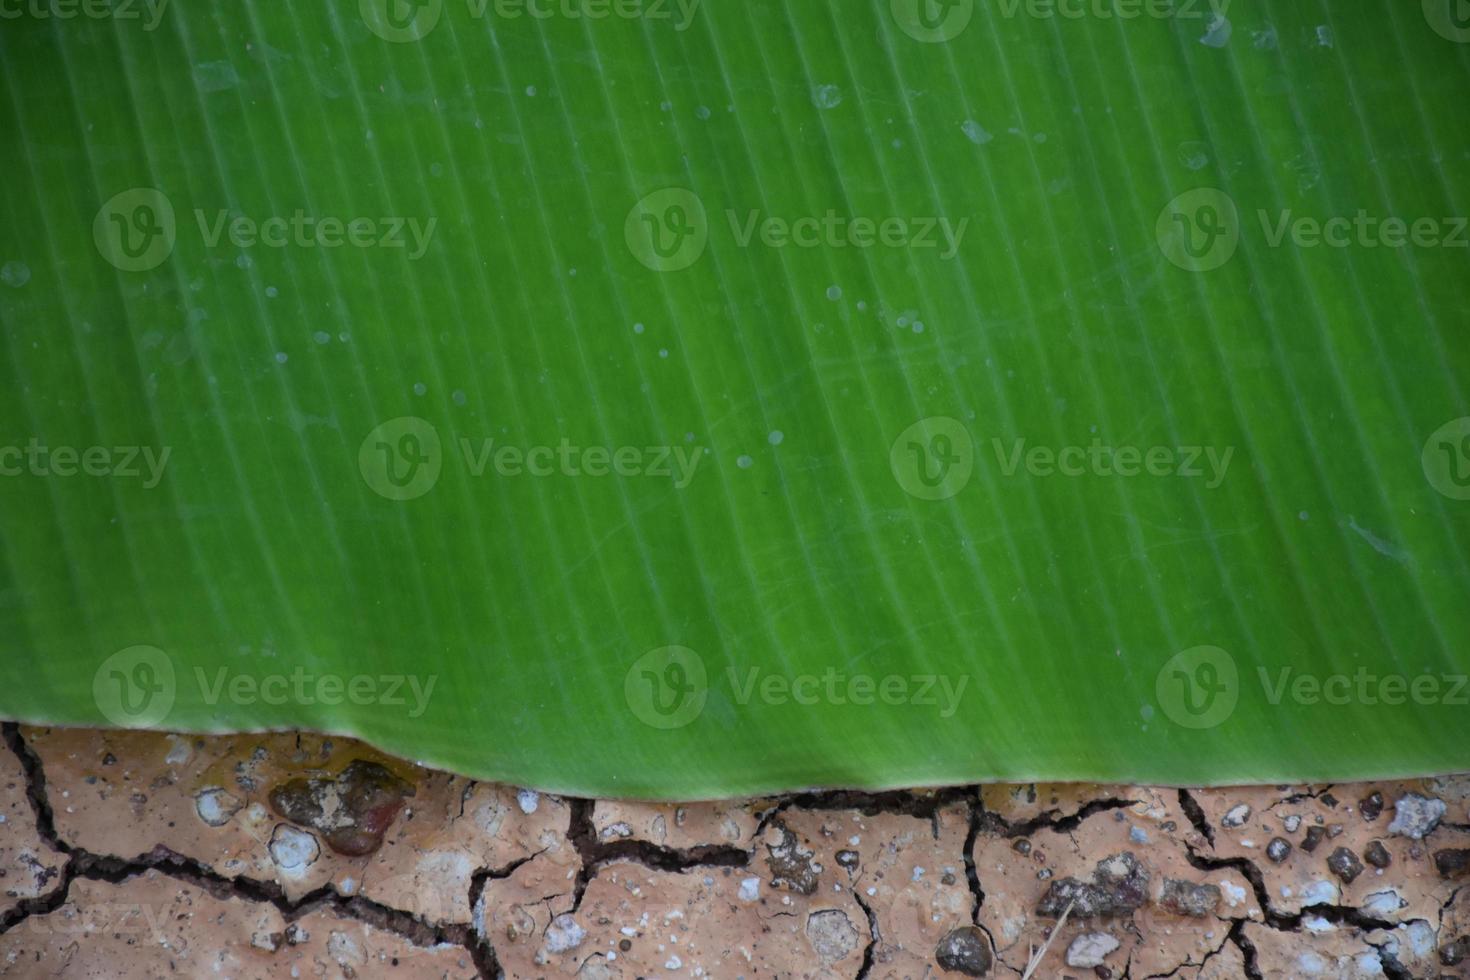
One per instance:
(130, 854)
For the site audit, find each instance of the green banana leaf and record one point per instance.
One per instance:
(686, 399)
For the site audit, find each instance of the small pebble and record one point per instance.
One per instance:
(1345, 864)
(1377, 855)
(1236, 816)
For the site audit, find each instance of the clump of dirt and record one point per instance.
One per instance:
(351, 810)
(1186, 898)
(1119, 887)
(790, 863)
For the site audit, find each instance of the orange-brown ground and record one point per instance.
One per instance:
(145, 855)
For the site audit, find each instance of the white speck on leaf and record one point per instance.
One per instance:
(975, 132)
(1217, 35)
(826, 96)
(1194, 155)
